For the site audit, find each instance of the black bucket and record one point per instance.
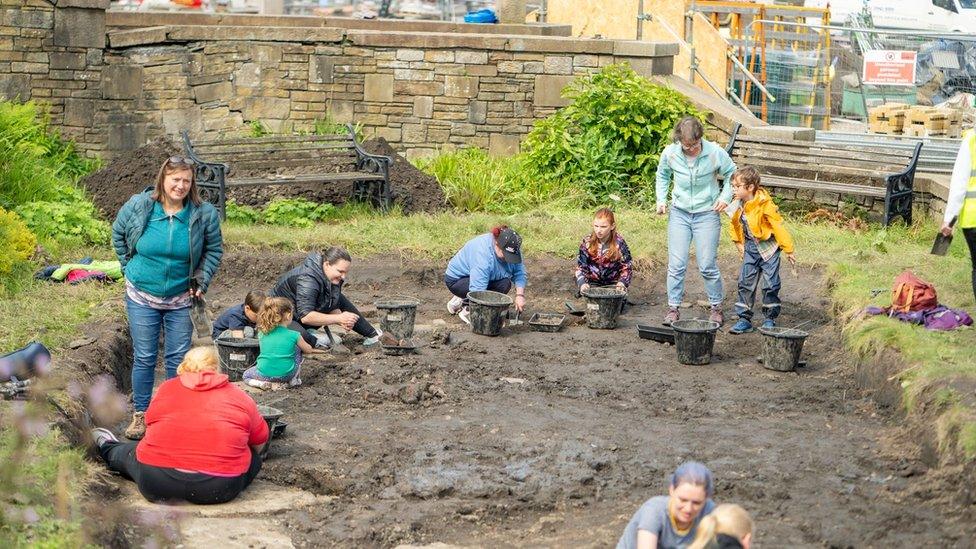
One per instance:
(487, 310)
(782, 348)
(399, 314)
(237, 354)
(694, 339)
(603, 306)
(271, 417)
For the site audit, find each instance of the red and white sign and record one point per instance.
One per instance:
(889, 67)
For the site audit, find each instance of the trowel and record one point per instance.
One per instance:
(202, 326)
(941, 244)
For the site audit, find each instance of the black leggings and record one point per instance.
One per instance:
(164, 484)
(460, 286)
(362, 326)
(970, 235)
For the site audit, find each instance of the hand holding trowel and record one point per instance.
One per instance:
(202, 327)
(944, 238)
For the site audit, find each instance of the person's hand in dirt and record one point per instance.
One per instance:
(347, 320)
(742, 248)
(720, 206)
(584, 288)
(662, 209)
(946, 229)
(622, 287)
(519, 303)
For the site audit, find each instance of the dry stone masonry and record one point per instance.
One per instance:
(114, 86)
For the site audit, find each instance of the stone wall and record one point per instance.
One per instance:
(420, 90)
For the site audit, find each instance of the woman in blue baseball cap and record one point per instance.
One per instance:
(492, 261)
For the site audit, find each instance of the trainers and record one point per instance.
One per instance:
(258, 384)
(100, 436)
(455, 305)
(137, 428)
(742, 326)
(671, 317)
(295, 382)
(465, 315)
(768, 323)
(716, 315)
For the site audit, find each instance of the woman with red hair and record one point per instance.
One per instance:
(492, 261)
(604, 258)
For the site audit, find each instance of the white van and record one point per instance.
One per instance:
(932, 15)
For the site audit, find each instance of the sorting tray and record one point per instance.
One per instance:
(547, 322)
(656, 333)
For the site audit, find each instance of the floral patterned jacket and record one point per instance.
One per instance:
(600, 269)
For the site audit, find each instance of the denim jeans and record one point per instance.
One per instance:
(753, 265)
(145, 324)
(704, 228)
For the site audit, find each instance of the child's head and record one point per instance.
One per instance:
(745, 183)
(604, 230)
(199, 360)
(252, 304)
(726, 519)
(275, 311)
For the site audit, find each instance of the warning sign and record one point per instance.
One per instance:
(889, 67)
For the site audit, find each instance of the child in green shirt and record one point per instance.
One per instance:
(280, 358)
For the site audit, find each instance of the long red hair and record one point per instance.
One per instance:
(613, 251)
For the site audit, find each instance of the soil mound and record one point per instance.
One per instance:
(416, 190)
(128, 174)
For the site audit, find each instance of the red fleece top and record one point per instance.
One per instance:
(200, 422)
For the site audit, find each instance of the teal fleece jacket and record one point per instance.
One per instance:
(202, 224)
(696, 187)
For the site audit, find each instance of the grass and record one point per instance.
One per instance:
(857, 264)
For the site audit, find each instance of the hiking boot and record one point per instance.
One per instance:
(742, 326)
(465, 315)
(100, 436)
(455, 305)
(137, 428)
(768, 323)
(672, 316)
(716, 315)
(258, 384)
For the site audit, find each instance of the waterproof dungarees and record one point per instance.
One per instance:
(967, 216)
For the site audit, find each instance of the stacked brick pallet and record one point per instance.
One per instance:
(915, 121)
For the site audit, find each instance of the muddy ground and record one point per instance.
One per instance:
(587, 425)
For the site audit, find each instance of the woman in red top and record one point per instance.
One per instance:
(203, 437)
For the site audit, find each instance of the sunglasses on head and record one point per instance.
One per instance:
(175, 160)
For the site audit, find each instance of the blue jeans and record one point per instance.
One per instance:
(753, 265)
(704, 228)
(144, 326)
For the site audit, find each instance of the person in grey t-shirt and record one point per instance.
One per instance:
(669, 522)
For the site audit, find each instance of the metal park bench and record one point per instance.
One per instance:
(867, 169)
(315, 159)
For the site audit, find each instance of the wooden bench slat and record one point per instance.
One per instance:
(271, 166)
(826, 186)
(215, 151)
(272, 139)
(819, 163)
(273, 156)
(827, 152)
(807, 145)
(825, 173)
(304, 178)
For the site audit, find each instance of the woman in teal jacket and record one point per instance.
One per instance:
(697, 198)
(169, 244)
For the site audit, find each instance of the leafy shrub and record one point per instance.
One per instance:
(473, 181)
(239, 213)
(18, 241)
(296, 212)
(257, 129)
(73, 222)
(609, 139)
(35, 163)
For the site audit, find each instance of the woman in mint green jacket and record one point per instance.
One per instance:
(169, 244)
(694, 165)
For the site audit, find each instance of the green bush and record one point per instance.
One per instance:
(473, 181)
(239, 213)
(69, 223)
(609, 139)
(296, 212)
(35, 163)
(18, 240)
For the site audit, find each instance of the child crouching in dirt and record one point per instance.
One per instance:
(759, 233)
(604, 258)
(241, 316)
(280, 358)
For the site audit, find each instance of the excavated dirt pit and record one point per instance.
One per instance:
(555, 439)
